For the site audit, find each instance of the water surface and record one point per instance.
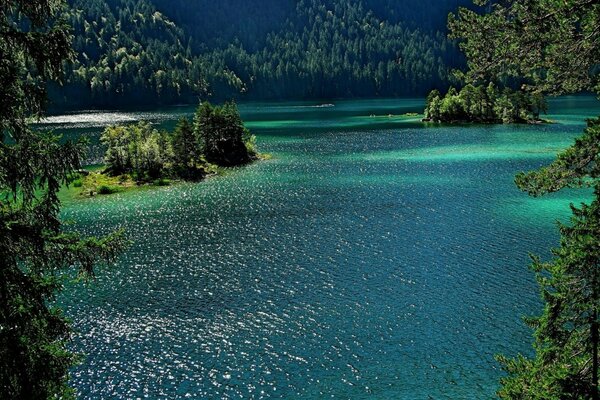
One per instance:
(370, 258)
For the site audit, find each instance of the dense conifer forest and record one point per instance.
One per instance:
(158, 51)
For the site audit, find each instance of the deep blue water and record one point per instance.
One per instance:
(371, 258)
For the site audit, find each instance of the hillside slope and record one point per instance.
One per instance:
(172, 51)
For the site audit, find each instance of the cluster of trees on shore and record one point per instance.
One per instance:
(484, 104)
(143, 51)
(216, 136)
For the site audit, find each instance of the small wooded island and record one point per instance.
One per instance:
(485, 105)
(140, 154)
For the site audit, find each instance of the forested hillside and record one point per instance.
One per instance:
(128, 52)
(168, 51)
(250, 21)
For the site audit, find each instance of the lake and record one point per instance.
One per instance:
(370, 258)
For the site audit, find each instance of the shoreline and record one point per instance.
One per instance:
(94, 183)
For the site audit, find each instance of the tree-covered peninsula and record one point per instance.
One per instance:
(139, 154)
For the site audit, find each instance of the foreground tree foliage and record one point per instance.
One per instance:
(217, 136)
(35, 253)
(553, 44)
(553, 47)
(567, 334)
(484, 104)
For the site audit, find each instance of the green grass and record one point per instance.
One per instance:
(97, 183)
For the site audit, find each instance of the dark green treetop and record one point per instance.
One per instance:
(223, 138)
(186, 151)
(552, 44)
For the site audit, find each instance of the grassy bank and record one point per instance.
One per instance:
(93, 181)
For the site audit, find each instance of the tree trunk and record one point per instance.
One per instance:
(594, 323)
(594, 334)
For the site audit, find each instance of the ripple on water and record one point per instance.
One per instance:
(337, 269)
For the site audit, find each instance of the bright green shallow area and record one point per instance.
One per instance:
(370, 258)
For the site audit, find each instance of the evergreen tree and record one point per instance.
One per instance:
(222, 135)
(204, 127)
(553, 48)
(186, 151)
(35, 253)
(567, 334)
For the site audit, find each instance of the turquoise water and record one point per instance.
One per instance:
(370, 258)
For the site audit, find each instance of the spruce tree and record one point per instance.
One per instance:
(185, 145)
(552, 47)
(35, 253)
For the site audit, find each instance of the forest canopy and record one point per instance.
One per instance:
(149, 51)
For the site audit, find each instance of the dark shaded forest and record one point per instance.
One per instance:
(144, 52)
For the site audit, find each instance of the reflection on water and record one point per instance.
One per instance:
(365, 260)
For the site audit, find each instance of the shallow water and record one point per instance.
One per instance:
(370, 258)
